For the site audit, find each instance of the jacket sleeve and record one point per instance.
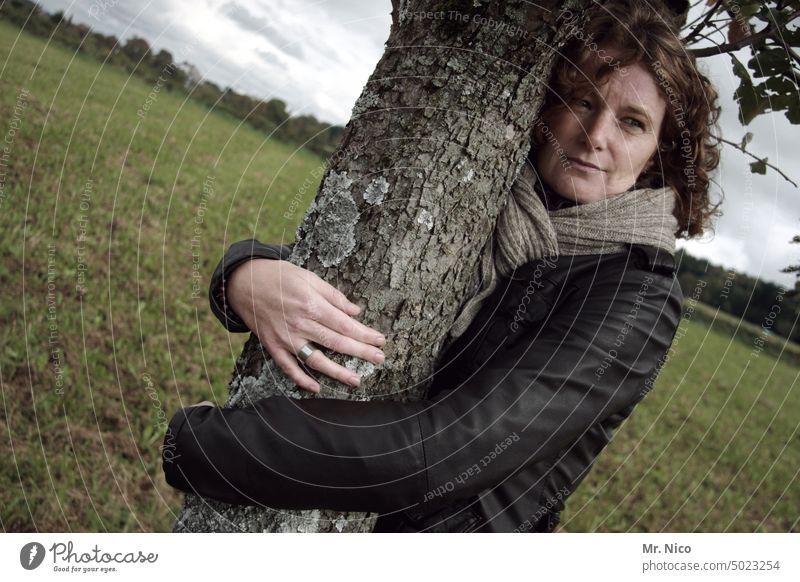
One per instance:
(238, 253)
(592, 359)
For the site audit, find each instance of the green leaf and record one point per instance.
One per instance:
(780, 102)
(781, 85)
(791, 35)
(748, 137)
(793, 113)
(759, 167)
(770, 62)
(751, 104)
(740, 71)
(752, 100)
(748, 9)
(779, 17)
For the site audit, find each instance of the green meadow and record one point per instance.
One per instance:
(712, 448)
(116, 203)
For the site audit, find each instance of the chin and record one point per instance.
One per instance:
(586, 193)
(586, 198)
(583, 194)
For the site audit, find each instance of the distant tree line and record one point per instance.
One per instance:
(137, 57)
(748, 298)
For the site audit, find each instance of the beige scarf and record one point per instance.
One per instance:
(527, 231)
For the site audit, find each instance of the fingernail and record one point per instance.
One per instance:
(380, 340)
(380, 356)
(355, 380)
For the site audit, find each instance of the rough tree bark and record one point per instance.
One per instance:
(408, 202)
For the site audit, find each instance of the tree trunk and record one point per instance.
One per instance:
(408, 202)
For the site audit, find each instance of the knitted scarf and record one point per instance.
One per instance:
(527, 231)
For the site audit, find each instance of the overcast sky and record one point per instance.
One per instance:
(318, 54)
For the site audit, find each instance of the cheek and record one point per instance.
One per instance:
(645, 153)
(632, 154)
(564, 127)
(543, 162)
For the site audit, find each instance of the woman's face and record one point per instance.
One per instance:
(615, 127)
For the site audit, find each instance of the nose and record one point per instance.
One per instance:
(597, 130)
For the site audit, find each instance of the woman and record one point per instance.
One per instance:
(579, 307)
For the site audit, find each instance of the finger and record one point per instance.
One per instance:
(290, 366)
(344, 345)
(320, 362)
(337, 298)
(332, 318)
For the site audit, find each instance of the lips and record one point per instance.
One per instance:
(585, 164)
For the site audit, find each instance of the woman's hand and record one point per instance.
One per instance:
(287, 306)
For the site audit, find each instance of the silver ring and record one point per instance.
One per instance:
(304, 352)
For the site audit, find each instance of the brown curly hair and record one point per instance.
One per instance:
(689, 146)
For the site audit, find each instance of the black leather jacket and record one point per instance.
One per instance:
(519, 408)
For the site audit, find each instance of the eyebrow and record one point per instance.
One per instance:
(629, 108)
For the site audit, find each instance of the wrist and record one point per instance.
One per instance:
(236, 286)
(240, 285)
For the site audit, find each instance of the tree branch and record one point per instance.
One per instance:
(702, 25)
(741, 149)
(746, 41)
(732, 46)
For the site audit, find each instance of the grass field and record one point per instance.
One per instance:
(157, 198)
(113, 218)
(712, 448)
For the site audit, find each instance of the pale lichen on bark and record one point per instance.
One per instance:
(245, 390)
(376, 190)
(360, 367)
(366, 101)
(200, 514)
(425, 218)
(328, 229)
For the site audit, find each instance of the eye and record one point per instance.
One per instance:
(636, 123)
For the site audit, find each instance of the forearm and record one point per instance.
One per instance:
(378, 456)
(300, 454)
(383, 456)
